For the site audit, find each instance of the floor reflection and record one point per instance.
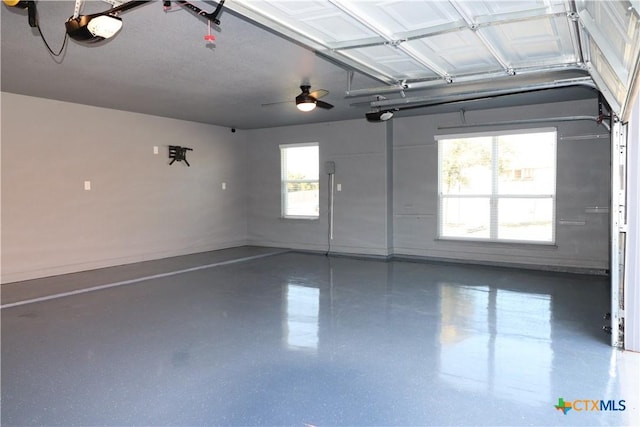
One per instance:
(302, 309)
(306, 339)
(496, 341)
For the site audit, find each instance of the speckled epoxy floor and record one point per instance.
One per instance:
(302, 339)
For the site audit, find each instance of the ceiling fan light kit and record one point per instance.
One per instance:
(306, 105)
(308, 101)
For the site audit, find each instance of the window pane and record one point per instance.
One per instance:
(516, 171)
(527, 163)
(525, 219)
(301, 162)
(468, 218)
(302, 199)
(465, 166)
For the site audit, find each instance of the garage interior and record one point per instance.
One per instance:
(169, 257)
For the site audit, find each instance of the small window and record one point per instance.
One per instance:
(498, 186)
(300, 180)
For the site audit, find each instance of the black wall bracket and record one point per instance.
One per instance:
(177, 153)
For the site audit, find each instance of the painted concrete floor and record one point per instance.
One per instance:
(301, 339)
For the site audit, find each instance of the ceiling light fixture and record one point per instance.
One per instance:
(306, 104)
(93, 28)
(386, 115)
(379, 116)
(104, 25)
(99, 26)
(308, 101)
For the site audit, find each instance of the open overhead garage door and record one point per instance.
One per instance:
(425, 53)
(610, 44)
(470, 48)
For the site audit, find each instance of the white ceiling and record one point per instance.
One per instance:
(437, 51)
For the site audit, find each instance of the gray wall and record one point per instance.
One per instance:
(583, 181)
(139, 208)
(359, 150)
(377, 206)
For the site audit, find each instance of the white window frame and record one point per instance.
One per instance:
(494, 196)
(284, 181)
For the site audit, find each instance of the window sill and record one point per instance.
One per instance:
(495, 244)
(303, 218)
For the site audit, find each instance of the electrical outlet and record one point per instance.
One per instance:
(155, 149)
(87, 185)
(339, 187)
(224, 185)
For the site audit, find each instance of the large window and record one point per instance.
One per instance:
(498, 186)
(300, 185)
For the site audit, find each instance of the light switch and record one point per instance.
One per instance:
(224, 185)
(339, 187)
(87, 185)
(155, 149)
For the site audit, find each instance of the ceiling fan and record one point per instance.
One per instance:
(308, 101)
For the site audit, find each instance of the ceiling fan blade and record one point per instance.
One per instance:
(323, 104)
(271, 104)
(305, 97)
(319, 93)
